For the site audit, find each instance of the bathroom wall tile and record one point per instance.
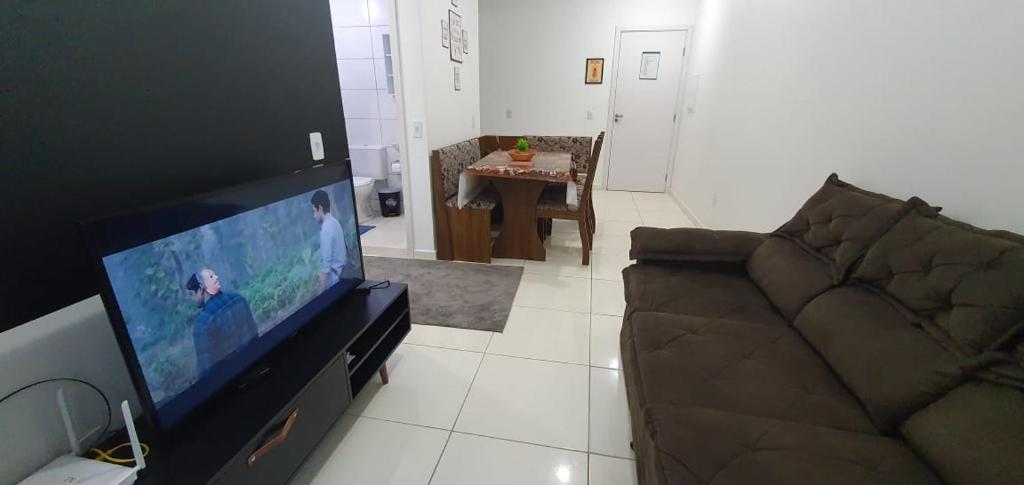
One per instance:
(347, 13)
(360, 103)
(363, 132)
(352, 43)
(356, 74)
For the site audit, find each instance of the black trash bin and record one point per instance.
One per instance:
(390, 201)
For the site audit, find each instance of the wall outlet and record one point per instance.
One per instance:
(508, 114)
(472, 123)
(590, 115)
(316, 145)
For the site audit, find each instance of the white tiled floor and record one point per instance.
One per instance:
(542, 402)
(387, 234)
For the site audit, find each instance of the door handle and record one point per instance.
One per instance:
(276, 440)
(618, 117)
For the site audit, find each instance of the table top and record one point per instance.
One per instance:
(545, 166)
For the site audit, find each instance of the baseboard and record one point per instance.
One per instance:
(686, 209)
(385, 252)
(425, 254)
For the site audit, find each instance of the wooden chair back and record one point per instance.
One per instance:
(588, 185)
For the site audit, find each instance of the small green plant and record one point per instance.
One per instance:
(522, 145)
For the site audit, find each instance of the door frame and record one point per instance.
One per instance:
(403, 145)
(678, 106)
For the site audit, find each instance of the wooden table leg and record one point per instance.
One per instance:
(519, 238)
(384, 373)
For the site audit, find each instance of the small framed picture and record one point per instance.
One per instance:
(649, 63)
(458, 78)
(465, 42)
(595, 70)
(444, 33)
(455, 36)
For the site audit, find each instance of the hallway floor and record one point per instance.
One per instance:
(542, 402)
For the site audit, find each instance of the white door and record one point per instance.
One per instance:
(647, 82)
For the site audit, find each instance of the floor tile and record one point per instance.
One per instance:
(363, 450)
(561, 225)
(608, 297)
(607, 243)
(476, 460)
(544, 334)
(609, 414)
(666, 219)
(525, 400)
(507, 262)
(554, 293)
(560, 261)
(604, 341)
(653, 201)
(448, 337)
(616, 213)
(609, 266)
(617, 228)
(605, 470)
(427, 387)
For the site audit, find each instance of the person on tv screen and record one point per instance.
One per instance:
(332, 241)
(224, 323)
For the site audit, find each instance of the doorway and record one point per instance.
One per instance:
(648, 69)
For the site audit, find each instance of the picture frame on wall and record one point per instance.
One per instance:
(444, 33)
(458, 78)
(465, 42)
(595, 71)
(455, 36)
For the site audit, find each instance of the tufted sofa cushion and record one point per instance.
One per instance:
(578, 146)
(973, 434)
(964, 284)
(840, 221)
(454, 159)
(694, 445)
(892, 365)
(758, 370)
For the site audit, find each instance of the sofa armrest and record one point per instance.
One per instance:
(693, 245)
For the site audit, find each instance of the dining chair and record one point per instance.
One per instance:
(552, 203)
(460, 234)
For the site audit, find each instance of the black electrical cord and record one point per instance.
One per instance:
(106, 427)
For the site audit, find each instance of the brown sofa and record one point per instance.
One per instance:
(867, 340)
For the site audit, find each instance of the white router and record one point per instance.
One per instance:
(74, 469)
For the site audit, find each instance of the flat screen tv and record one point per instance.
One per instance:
(198, 290)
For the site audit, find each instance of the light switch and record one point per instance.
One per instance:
(316, 145)
(508, 114)
(590, 115)
(417, 129)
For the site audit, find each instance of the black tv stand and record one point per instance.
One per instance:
(262, 435)
(252, 376)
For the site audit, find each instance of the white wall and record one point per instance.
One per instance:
(78, 342)
(430, 98)
(534, 53)
(919, 97)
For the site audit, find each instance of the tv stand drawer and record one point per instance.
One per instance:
(278, 450)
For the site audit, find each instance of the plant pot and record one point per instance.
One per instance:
(518, 156)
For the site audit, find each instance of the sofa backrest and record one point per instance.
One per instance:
(815, 249)
(454, 159)
(929, 335)
(578, 146)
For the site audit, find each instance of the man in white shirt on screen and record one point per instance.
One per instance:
(332, 241)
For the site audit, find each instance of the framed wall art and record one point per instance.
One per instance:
(455, 37)
(595, 70)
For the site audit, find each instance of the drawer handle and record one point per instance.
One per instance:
(276, 441)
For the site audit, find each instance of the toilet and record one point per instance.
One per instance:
(369, 165)
(364, 194)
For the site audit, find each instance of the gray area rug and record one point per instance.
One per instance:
(450, 294)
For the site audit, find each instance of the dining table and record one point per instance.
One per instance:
(520, 187)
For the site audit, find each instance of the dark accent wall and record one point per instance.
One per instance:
(111, 105)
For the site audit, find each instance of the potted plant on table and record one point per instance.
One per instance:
(522, 153)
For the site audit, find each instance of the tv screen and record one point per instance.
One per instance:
(199, 290)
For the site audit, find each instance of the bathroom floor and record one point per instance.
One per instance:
(387, 236)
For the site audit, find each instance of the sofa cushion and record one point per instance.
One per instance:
(892, 365)
(698, 292)
(689, 244)
(760, 370)
(972, 435)
(692, 445)
(788, 275)
(840, 221)
(964, 283)
(454, 159)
